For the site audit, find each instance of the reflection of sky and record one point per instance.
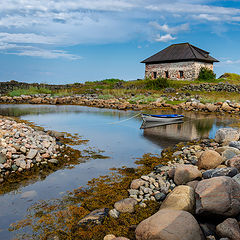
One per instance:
(122, 142)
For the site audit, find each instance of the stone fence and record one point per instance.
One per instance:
(208, 87)
(6, 87)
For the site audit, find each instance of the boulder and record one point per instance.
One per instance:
(237, 178)
(211, 107)
(230, 172)
(229, 228)
(229, 153)
(137, 183)
(226, 107)
(209, 159)
(169, 224)
(181, 198)
(109, 237)
(95, 217)
(186, 173)
(234, 162)
(125, 205)
(121, 238)
(235, 144)
(227, 135)
(218, 196)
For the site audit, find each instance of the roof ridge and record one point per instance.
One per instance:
(190, 46)
(202, 52)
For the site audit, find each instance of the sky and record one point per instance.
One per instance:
(69, 41)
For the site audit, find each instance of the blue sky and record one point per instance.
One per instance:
(59, 41)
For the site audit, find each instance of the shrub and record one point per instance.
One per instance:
(157, 84)
(206, 74)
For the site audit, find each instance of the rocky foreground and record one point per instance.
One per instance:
(198, 194)
(23, 147)
(92, 100)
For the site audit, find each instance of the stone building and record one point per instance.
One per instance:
(178, 61)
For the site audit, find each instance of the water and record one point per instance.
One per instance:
(123, 141)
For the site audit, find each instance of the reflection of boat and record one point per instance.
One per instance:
(161, 118)
(146, 124)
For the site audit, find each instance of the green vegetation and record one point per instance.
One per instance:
(206, 75)
(29, 91)
(142, 99)
(157, 84)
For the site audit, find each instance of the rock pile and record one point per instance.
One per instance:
(198, 193)
(22, 147)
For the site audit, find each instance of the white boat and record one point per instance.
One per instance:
(168, 118)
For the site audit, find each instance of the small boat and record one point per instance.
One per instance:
(161, 118)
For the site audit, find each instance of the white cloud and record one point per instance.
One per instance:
(172, 30)
(164, 38)
(232, 61)
(27, 38)
(49, 54)
(56, 23)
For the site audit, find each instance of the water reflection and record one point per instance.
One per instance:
(123, 142)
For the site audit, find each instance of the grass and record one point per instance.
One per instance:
(29, 91)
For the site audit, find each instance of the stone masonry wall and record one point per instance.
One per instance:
(190, 69)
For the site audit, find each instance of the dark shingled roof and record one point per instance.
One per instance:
(180, 52)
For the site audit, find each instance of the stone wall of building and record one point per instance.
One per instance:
(189, 69)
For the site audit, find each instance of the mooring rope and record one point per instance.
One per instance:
(125, 119)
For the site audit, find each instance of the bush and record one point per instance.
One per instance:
(206, 74)
(157, 84)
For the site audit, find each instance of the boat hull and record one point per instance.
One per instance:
(149, 118)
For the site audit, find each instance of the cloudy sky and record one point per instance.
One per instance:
(67, 41)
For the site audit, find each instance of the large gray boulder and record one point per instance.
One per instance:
(186, 173)
(218, 196)
(181, 198)
(224, 135)
(229, 228)
(169, 224)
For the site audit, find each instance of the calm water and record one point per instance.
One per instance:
(123, 141)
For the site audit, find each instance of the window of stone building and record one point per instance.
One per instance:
(181, 74)
(166, 74)
(154, 75)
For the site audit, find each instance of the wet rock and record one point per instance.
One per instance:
(160, 196)
(95, 217)
(32, 153)
(209, 159)
(186, 173)
(230, 172)
(218, 196)
(53, 160)
(125, 205)
(229, 228)
(169, 224)
(181, 198)
(227, 135)
(29, 194)
(2, 158)
(114, 213)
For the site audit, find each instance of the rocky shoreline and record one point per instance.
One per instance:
(93, 100)
(198, 192)
(22, 148)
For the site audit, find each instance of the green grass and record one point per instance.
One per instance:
(141, 99)
(106, 96)
(30, 91)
